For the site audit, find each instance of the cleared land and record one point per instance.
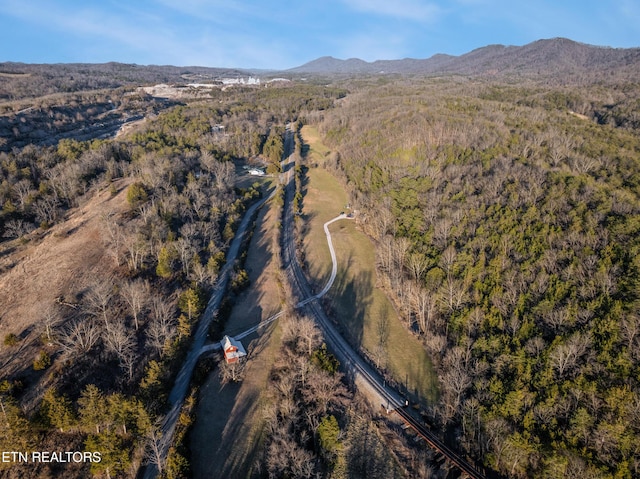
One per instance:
(59, 262)
(228, 430)
(364, 311)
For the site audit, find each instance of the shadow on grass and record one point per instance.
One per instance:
(289, 165)
(238, 449)
(423, 373)
(228, 438)
(351, 298)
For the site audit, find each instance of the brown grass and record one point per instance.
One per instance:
(227, 434)
(261, 299)
(59, 262)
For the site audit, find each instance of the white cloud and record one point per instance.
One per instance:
(217, 11)
(133, 34)
(405, 9)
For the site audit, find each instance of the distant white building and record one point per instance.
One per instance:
(233, 350)
(256, 172)
(241, 81)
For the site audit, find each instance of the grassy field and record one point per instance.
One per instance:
(365, 312)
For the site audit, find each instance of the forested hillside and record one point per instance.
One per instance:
(507, 222)
(90, 364)
(506, 219)
(28, 80)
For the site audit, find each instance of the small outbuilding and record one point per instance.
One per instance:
(256, 172)
(233, 350)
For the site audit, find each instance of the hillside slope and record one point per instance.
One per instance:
(59, 263)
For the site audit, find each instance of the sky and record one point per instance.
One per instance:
(280, 35)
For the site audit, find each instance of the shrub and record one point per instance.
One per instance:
(136, 195)
(43, 361)
(11, 339)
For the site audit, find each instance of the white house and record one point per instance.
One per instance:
(233, 350)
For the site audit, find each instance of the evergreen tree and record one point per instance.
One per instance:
(92, 408)
(58, 410)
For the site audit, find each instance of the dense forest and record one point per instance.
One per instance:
(507, 228)
(106, 353)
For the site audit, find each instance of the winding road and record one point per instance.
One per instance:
(181, 385)
(358, 370)
(334, 271)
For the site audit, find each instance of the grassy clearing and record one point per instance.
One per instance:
(261, 299)
(366, 313)
(324, 200)
(317, 151)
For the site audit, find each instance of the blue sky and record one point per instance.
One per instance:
(267, 34)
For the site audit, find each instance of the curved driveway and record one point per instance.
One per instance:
(334, 271)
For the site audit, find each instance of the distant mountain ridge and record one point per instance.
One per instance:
(557, 60)
(549, 57)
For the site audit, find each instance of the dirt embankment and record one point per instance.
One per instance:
(60, 262)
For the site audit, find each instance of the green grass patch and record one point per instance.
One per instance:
(325, 199)
(365, 312)
(317, 151)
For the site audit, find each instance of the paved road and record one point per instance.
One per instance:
(181, 385)
(357, 369)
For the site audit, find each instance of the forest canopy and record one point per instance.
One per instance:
(508, 230)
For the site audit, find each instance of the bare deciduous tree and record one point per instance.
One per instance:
(79, 337)
(200, 274)
(153, 452)
(46, 210)
(455, 380)
(136, 295)
(98, 299)
(303, 333)
(119, 341)
(417, 264)
(162, 328)
(16, 228)
(23, 189)
(565, 356)
(232, 372)
(185, 249)
(425, 306)
(136, 248)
